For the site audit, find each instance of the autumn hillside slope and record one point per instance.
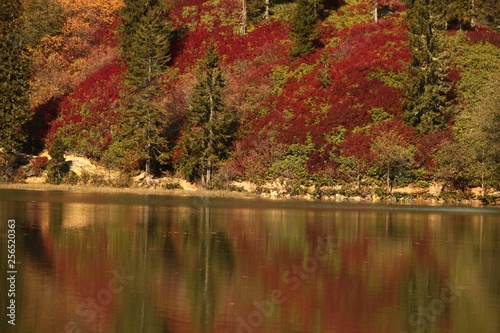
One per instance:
(355, 103)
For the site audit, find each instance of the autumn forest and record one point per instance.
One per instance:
(322, 97)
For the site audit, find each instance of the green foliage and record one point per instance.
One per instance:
(57, 167)
(478, 64)
(14, 77)
(211, 124)
(354, 15)
(323, 75)
(392, 154)
(427, 87)
(141, 132)
(57, 151)
(453, 162)
(44, 18)
(150, 50)
(131, 16)
(304, 26)
(478, 129)
(292, 164)
(8, 167)
(379, 114)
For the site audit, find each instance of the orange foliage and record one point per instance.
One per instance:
(85, 45)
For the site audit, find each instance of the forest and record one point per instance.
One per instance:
(321, 97)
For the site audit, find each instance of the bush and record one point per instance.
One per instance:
(122, 181)
(70, 178)
(422, 184)
(172, 185)
(381, 192)
(8, 167)
(38, 165)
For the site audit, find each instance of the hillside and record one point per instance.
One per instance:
(363, 108)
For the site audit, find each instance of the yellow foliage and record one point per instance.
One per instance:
(60, 62)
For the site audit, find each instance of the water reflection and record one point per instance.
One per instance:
(109, 263)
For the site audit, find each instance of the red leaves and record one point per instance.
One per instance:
(485, 35)
(87, 114)
(304, 109)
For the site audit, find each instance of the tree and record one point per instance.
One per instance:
(141, 131)
(131, 15)
(243, 29)
(211, 125)
(57, 166)
(393, 154)
(14, 77)
(304, 26)
(427, 88)
(453, 162)
(43, 18)
(479, 130)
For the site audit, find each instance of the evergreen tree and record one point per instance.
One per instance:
(211, 125)
(131, 16)
(14, 77)
(427, 89)
(141, 131)
(304, 26)
(43, 18)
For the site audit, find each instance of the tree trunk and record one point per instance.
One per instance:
(243, 29)
(389, 187)
(266, 12)
(148, 167)
(375, 10)
(209, 173)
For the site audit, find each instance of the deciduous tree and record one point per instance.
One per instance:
(393, 154)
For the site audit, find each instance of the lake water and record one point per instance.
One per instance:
(142, 263)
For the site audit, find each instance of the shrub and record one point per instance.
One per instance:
(38, 164)
(70, 178)
(172, 185)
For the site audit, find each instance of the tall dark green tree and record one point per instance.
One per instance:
(130, 17)
(14, 77)
(304, 27)
(140, 135)
(427, 87)
(211, 124)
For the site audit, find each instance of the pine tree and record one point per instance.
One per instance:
(211, 125)
(14, 77)
(428, 87)
(141, 131)
(304, 26)
(130, 17)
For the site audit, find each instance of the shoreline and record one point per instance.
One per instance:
(200, 192)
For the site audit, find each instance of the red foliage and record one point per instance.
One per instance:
(38, 164)
(306, 110)
(89, 110)
(484, 35)
(427, 146)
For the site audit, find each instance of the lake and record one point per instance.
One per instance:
(98, 262)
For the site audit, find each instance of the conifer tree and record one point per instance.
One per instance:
(14, 77)
(427, 89)
(211, 125)
(141, 131)
(130, 17)
(304, 26)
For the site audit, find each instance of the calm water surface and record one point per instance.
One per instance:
(139, 263)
